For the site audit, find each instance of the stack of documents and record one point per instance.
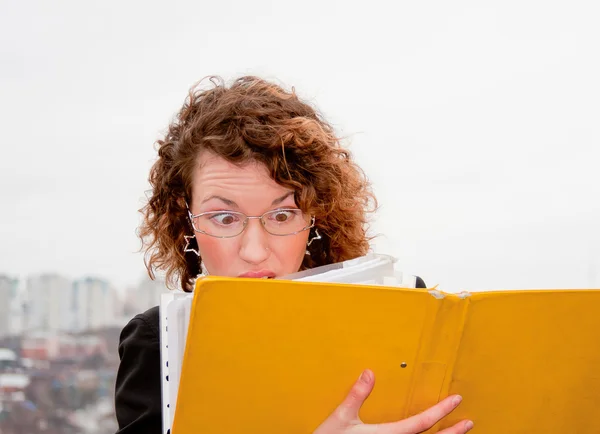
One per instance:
(278, 355)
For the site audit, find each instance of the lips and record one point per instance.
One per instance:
(260, 274)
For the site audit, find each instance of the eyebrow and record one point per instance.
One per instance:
(229, 202)
(282, 198)
(222, 199)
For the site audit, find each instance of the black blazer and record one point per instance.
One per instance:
(138, 389)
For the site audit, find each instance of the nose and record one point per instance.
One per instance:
(254, 247)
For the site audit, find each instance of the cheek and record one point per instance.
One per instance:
(216, 253)
(290, 252)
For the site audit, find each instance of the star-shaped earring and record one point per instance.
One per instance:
(187, 247)
(316, 237)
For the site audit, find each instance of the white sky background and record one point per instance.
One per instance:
(478, 123)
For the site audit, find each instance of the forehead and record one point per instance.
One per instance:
(245, 184)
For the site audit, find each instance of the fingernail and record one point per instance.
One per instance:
(365, 377)
(456, 400)
(469, 425)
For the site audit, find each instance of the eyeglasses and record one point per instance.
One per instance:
(229, 224)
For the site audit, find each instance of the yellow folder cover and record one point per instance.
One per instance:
(274, 356)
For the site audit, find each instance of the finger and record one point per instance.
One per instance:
(347, 411)
(425, 420)
(460, 428)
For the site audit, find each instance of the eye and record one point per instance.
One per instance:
(225, 218)
(283, 215)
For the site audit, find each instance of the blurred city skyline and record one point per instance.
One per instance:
(59, 351)
(51, 302)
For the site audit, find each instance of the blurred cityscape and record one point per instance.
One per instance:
(58, 351)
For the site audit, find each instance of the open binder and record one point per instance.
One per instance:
(277, 356)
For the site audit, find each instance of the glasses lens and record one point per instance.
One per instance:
(285, 221)
(220, 223)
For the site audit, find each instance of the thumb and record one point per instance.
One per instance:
(347, 411)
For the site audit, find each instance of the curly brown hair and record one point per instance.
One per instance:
(254, 120)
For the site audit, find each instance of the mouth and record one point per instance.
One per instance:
(261, 274)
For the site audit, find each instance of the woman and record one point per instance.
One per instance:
(250, 181)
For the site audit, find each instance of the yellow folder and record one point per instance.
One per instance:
(274, 356)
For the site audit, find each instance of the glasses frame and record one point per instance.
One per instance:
(247, 219)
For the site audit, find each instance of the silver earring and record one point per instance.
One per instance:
(316, 237)
(187, 247)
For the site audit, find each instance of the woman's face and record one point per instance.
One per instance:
(219, 185)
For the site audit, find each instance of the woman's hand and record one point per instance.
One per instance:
(345, 420)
